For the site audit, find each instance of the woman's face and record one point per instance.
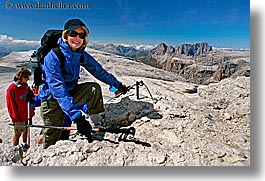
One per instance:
(75, 38)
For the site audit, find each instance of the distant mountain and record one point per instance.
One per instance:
(155, 56)
(160, 54)
(197, 63)
(4, 51)
(131, 51)
(163, 52)
(200, 63)
(233, 49)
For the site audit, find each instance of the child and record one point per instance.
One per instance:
(17, 106)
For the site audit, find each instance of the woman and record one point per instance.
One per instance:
(61, 94)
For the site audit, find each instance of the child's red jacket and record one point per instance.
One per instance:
(16, 103)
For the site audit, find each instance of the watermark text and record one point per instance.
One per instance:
(46, 5)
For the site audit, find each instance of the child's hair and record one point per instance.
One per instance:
(22, 72)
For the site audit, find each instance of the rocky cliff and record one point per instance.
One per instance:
(193, 50)
(162, 52)
(211, 67)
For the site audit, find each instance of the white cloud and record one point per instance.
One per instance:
(12, 42)
(5, 39)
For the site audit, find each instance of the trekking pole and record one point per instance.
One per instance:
(130, 130)
(137, 84)
(118, 95)
(28, 125)
(43, 126)
(29, 121)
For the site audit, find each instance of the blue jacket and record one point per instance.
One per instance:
(58, 82)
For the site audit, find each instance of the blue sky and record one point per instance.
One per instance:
(221, 23)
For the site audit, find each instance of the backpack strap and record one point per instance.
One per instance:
(60, 56)
(82, 59)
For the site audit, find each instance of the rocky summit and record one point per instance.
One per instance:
(177, 123)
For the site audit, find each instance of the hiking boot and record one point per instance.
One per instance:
(92, 119)
(17, 147)
(64, 135)
(25, 146)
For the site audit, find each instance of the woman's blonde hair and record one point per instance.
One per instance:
(22, 72)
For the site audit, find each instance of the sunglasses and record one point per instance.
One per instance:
(74, 34)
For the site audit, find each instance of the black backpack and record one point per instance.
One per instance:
(48, 43)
